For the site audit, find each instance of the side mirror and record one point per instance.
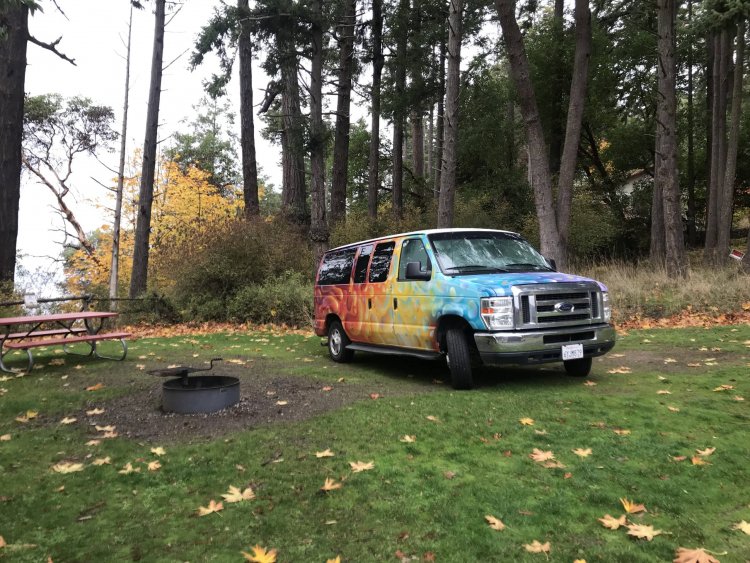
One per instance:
(552, 263)
(414, 272)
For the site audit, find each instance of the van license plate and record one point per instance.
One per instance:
(572, 352)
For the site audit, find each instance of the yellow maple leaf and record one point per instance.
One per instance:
(642, 532)
(325, 453)
(158, 451)
(539, 455)
(611, 522)
(697, 460)
(408, 439)
(495, 523)
(579, 561)
(336, 560)
(68, 420)
(234, 494)
(28, 416)
(536, 547)
(212, 507)
(330, 485)
(632, 507)
(260, 555)
(581, 452)
(742, 526)
(102, 461)
(94, 412)
(705, 453)
(154, 465)
(359, 466)
(526, 421)
(67, 467)
(128, 468)
(698, 555)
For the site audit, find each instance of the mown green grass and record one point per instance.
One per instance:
(406, 503)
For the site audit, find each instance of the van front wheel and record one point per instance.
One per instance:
(337, 343)
(459, 358)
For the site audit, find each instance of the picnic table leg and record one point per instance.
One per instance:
(124, 352)
(6, 369)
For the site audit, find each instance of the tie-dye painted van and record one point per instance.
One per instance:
(466, 294)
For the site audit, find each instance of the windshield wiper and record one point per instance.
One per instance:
(474, 268)
(532, 266)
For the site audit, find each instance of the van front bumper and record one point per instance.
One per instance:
(535, 347)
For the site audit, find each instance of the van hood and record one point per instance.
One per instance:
(498, 285)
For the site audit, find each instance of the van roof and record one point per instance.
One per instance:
(422, 232)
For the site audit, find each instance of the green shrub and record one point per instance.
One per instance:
(286, 299)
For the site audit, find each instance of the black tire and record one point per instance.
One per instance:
(459, 358)
(578, 368)
(337, 343)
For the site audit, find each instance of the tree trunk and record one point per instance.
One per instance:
(139, 276)
(373, 176)
(402, 35)
(114, 269)
(430, 146)
(691, 208)
(247, 119)
(727, 196)
(558, 85)
(450, 152)
(417, 136)
(293, 203)
(539, 173)
(318, 226)
(440, 118)
(574, 122)
(12, 79)
(665, 165)
(341, 141)
(657, 249)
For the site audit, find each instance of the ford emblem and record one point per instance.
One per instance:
(564, 307)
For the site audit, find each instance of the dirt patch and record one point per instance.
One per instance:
(265, 398)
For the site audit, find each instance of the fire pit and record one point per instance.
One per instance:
(198, 394)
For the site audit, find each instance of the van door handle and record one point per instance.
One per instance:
(395, 303)
(369, 303)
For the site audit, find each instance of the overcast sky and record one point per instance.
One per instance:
(93, 34)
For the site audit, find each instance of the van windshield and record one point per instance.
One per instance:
(482, 252)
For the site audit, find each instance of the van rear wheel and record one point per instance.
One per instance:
(337, 343)
(578, 368)
(459, 358)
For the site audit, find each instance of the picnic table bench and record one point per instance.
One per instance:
(64, 329)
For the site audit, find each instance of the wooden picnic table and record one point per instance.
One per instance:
(34, 331)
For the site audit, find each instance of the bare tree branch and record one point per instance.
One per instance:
(51, 47)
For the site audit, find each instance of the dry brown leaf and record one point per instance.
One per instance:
(642, 532)
(632, 507)
(663, 392)
(67, 467)
(94, 412)
(108, 428)
(697, 460)
(526, 421)
(536, 547)
(705, 453)
(2, 542)
(336, 560)
(93, 442)
(102, 461)
(554, 464)
(28, 416)
(408, 439)
(5, 438)
(679, 457)
(212, 507)
(698, 555)
(236, 495)
(68, 420)
(330, 485)
(589, 383)
(580, 452)
(495, 523)
(128, 468)
(96, 387)
(375, 396)
(621, 432)
(158, 451)
(325, 453)
(723, 387)
(153, 465)
(568, 475)
(670, 361)
(673, 409)
(282, 403)
(621, 370)
(432, 418)
(539, 456)
(449, 474)
(738, 398)
(359, 466)
(742, 527)
(109, 435)
(613, 523)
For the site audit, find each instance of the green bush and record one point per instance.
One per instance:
(286, 299)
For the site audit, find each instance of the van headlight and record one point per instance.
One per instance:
(606, 307)
(497, 312)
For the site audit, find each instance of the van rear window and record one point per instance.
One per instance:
(337, 267)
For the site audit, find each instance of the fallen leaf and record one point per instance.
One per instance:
(154, 465)
(408, 439)
(96, 387)
(102, 461)
(236, 495)
(359, 466)
(705, 453)
(581, 452)
(742, 526)
(613, 523)
(282, 403)
(375, 396)
(336, 560)
(94, 412)
(327, 388)
(536, 547)
(642, 532)
(261, 555)
(724, 388)
(540, 432)
(109, 428)
(568, 475)
(670, 361)
(698, 555)
(621, 432)
(673, 409)
(738, 398)
(679, 458)
(697, 460)
(495, 523)
(449, 474)
(5, 438)
(589, 383)
(68, 420)
(158, 451)
(526, 421)
(2, 542)
(663, 392)
(621, 369)
(30, 415)
(632, 507)
(553, 464)
(428, 556)
(67, 467)
(325, 453)
(330, 485)
(128, 469)
(539, 456)
(432, 418)
(212, 507)
(579, 561)
(109, 435)
(93, 442)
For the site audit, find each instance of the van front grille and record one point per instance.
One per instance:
(564, 304)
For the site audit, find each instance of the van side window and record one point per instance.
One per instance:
(412, 250)
(360, 270)
(337, 267)
(381, 262)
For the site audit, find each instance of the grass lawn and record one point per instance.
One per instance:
(423, 500)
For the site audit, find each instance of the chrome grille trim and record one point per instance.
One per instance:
(560, 304)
